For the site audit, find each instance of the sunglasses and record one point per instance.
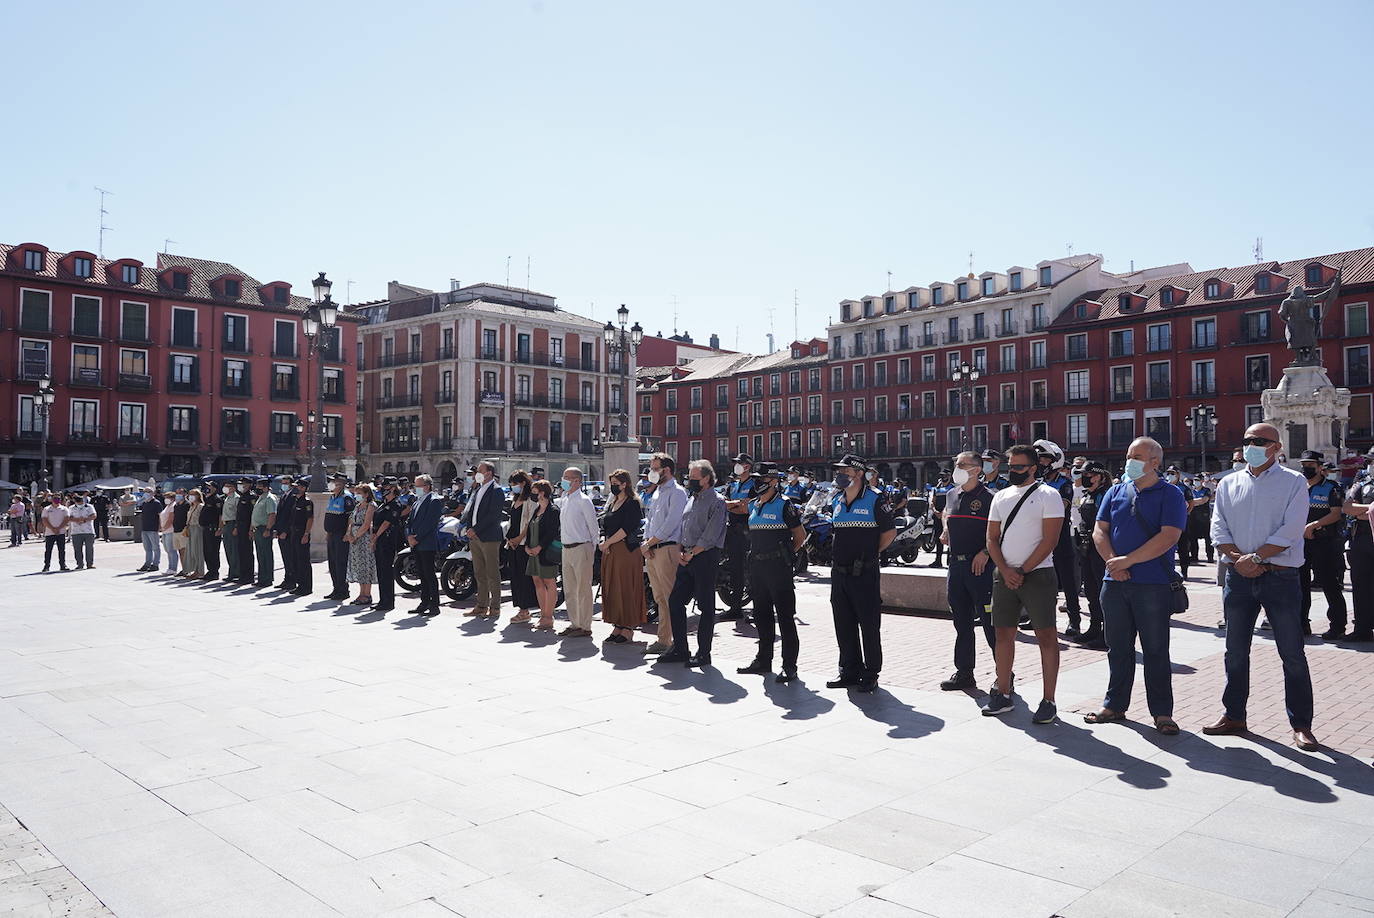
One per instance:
(1257, 441)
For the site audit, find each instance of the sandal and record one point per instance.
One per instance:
(1104, 716)
(1166, 726)
(544, 626)
(520, 619)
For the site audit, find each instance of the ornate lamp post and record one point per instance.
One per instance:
(322, 317)
(965, 375)
(43, 405)
(1202, 420)
(624, 342)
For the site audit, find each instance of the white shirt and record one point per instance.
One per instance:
(1026, 531)
(476, 499)
(578, 518)
(56, 518)
(82, 519)
(664, 521)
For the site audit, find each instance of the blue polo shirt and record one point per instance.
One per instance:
(1161, 504)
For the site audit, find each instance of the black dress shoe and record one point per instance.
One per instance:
(1072, 632)
(383, 608)
(673, 656)
(788, 674)
(426, 611)
(868, 684)
(756, 668)
(959, 681)
(699, 659)
(299, 592)
(1333, 634)
(843, 681)
(336, 595)
(1359, 637)
(286, 585)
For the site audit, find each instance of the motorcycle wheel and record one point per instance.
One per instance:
(927, 543)
(800, 567)
(908, 555)
(407, 577)
(734, 597)
(457, 579)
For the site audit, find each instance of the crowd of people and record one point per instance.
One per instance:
(1023, 548)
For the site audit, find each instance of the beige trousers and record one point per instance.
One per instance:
(577, 583)
(662, 575)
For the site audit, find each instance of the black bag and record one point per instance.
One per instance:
(1178, 588)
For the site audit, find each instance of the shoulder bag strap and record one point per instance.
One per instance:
(1001, 536)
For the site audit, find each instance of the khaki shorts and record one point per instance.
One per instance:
(1038, 594)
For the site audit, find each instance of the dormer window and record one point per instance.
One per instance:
(1046, 276)
(868, 308)
(181, 280)
(961, 290)
(1081, 311)
(913, 299)
(81, 267)
(1016, 280)
(796, 353)
(1123, 302)
(988, 286)
(888, 304)
(1262, 283)
(1212, 289)
(281, 295)
(1166, 296)
(1312, 276)
(128, 274)
(937, 296)
(232, 288)
(844, 312)
(33, 260)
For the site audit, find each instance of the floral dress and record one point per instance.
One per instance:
(362, 563)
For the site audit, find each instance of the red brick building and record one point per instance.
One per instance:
(186, 366)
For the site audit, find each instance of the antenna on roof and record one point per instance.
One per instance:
(507, 270)
(528, 259)
(889, 280)
(1068, 247)
(100, 247)
(675, 313)
(1259, 249)
(771, 310)
(348, 292)
(970, 264)
(796, 335)
(168, 242)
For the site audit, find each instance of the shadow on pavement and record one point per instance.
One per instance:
(1083, 745)
(906, 722)
(708, 680)
(796, 698)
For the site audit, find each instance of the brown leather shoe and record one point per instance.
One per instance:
(1225, 727)
(1304, 739)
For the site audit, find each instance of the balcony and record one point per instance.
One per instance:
(134, 382)
(1158, 390)
(182, 438)
(288, 394)
(722, 430)
(334, 395)
(130, 335)
(1005, 330)
(813, 417)
(397, 359)
(447, 397)
(1009, 404)
(1039, 401)
(1079, 352)
(236, 390)
(387, 402)
(1252, 336)
(288, 351)
(1203, 387)
(794, 419)
(86, 436)
(903, 343)
(491, 353)
(586, 404)
(185, 386)
(133, 439)
(722, 402)
(979, 333)
(87, 330)
(1204, 344)
(282, 440)
(241, 346)
(445, 352)
(229, 440)
(926, 340)
(880, 347)
(331, 442)
(185, 341)
(1118, 349)
(491, 397)
(88, 377)
(1123, 395)
(775, 420)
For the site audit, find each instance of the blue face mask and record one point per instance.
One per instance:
(1255, 456)
(565, 484)
(1134, 469)
(841, 480)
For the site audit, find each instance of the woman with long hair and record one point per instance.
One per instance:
(543, 548)
(362, 563)
(522, 593)
(622, 566)
(195, 537)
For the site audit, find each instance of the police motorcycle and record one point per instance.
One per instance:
(915, 532)
(816, 521)
(452, 562)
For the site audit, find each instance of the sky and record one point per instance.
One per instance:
(717, 161)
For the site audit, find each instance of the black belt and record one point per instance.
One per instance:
(964, 557)
(663, 544)
(777, 555)
(854, 568)
(573, 544)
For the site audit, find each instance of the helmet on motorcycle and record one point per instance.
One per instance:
(1048, 448)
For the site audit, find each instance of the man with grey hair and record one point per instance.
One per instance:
(580, 531)
(702, 537)
(422, 534)
(1138, 526)
(481, 522)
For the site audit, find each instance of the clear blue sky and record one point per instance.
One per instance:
(723, 153)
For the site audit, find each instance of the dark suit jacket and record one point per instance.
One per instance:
(423, 522)
(550, 531)
(485, 517)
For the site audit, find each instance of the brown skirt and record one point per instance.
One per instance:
(622, 587)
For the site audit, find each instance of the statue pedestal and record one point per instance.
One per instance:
(1309, 411)
(620, 456)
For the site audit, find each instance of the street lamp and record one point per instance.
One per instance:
(965, 375)
(318, 321)
(1202, 420)
(46, 397)
(624, 342)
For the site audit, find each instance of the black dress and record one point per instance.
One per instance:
(522, 593)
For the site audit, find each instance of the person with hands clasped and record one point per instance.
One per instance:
(969, 587)
(1023, 529)
(1139, 523)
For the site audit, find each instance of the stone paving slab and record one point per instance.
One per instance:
(188, 749)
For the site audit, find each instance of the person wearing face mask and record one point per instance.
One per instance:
(149, 512)
(52, 523)
(1258, 525)
(195, 536)
(1199, 519)
(82, 516)
(286, 508)
(481, 523)
(228, 525)
(337, 512)
(702, 537)
(422, 534)
(298, 531)
(939, 500)
(1323, 547)
(1023, 530)
(212, 504)
(522, 592)
(580, 530)
(180, 540)
(1187, 549)
(775, 537)
(622, 566)
(1091, 565)
(386, 540)
(969, 587)
(862, 529)
(794, 490)
(992, 461)
(661, 548)
(645, 489)
(1138, 526)
(737, 496)
(243, 530)
(264, 518)
(1051, 469)
(1358, 502)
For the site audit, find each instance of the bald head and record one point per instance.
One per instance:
(1268, 431)
(1145, 448)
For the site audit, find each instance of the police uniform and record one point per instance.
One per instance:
(1066, 553)
(855, 597)
(338, 511)
(264, 506)
(794, 490)
(209, 532)
(939, 497)
(243, 534)
(229, 517)
(1187, 545)
(1200, 522)
(737, 538)
(969, 594)
(1324, 553)
(997, 484)
(1092, 566)
(771, 560)
(384, 547)
(1362, 563)
(286, 505)
(298, 534)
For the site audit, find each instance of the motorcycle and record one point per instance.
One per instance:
(819, 537)
(915, 533)
(452, 546)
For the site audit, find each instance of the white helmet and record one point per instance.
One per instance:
(1051, 449)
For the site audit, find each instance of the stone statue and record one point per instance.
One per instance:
(1299, 311)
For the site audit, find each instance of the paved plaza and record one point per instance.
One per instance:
(176, 748)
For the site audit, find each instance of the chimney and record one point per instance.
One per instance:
(770, 342)
(454, 284)
(715, 342)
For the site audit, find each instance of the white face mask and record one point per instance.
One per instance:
(243, 489)
(421, 490)
(961, 476)
(1237, 466)
(739, 469)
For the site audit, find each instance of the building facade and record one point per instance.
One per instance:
(188, 366)
(449, 378)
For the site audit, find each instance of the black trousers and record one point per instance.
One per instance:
(102, 525)
(245, 550)
(939, 520)
(300, 560)
(856, 603)
(1325, 566)
(1187, 549)
(61, 542)
(970, 604)
(288, 561)
(695, 580)
(209, 540)
(737, 556)
(429, 579)
(1362, 588)
(775, 609)
(1093, 568)
(386, 575)
(336, 551)
(1066, 569)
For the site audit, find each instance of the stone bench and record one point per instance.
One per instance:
(915, 589)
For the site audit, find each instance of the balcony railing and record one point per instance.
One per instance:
(491, 353)
(244, 346)
(236, 390)
(182, 438)
(133, 336)
(336, 396)
(400, 446)
(186, 386)
(289, 351)
(445, 352)
(134, 382)
(88, 377)
(86, 436)
(280, 441)
(229, 440)
(290, 393)
(382, 361)
(190, 341)
(1158, 390)
(387, 402)
(133, 439)
(1123, 395)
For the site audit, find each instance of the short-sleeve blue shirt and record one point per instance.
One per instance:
(1161, 505)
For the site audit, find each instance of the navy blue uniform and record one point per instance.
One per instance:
(1065, 552)
(1324, 555)
(337, 513)
(969, 594)
(1362, 561)
(737, 542)
(855, 597)
(1092, 565)
(770, 577)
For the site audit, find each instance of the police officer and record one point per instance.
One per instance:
(228, 524)
(1324, 547)
(1187, 546)
(386, 540)
(969, 587)
(243, 529)
(1200, 518)
(775, 536)
(738, 492)
(281, 529)
(1095, 480)
(338, 511)
(209, 530)
(1051, 471)
(939, 498)
(298, 535)
(264, 519)
(862, 529)
(992, 461)
(794, 490)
